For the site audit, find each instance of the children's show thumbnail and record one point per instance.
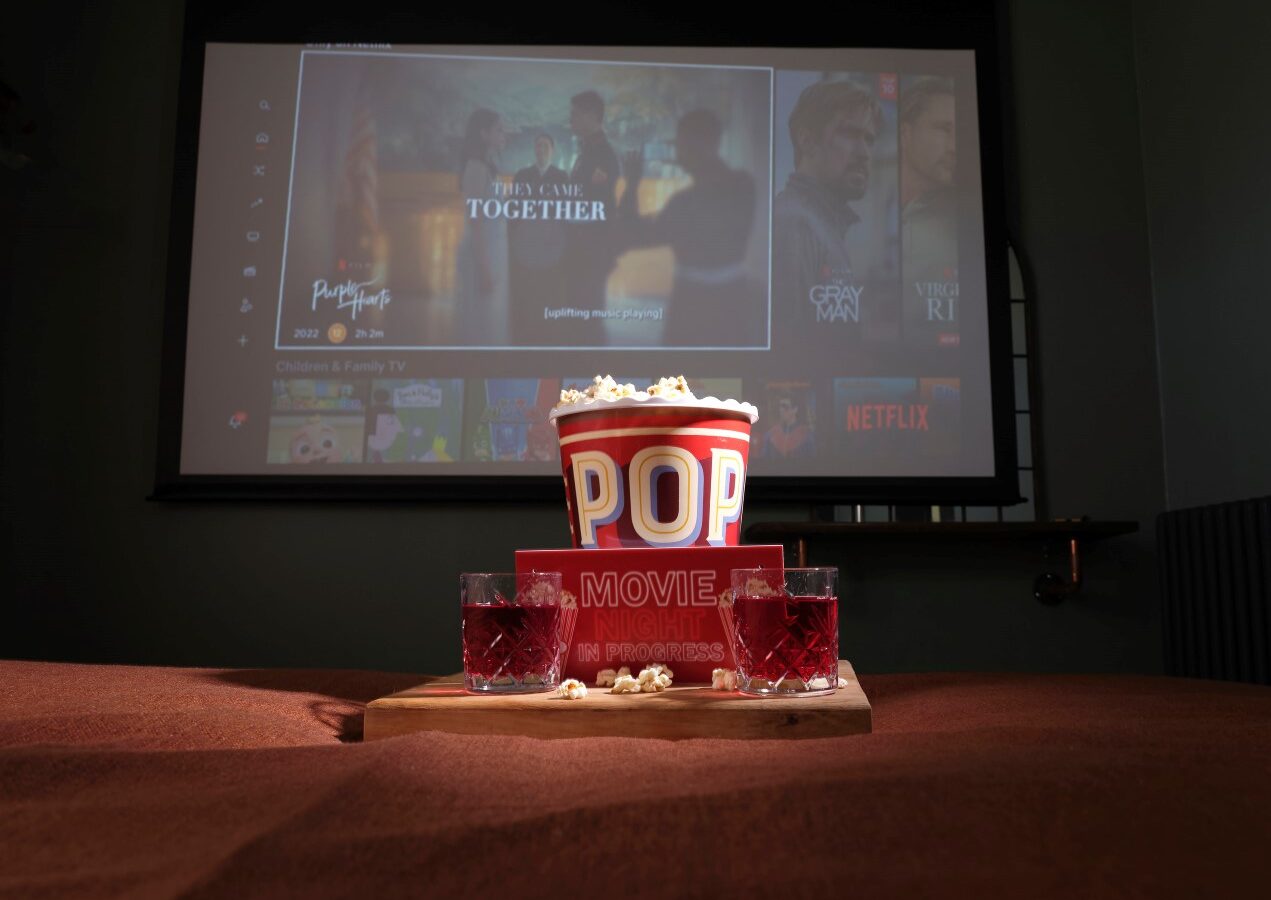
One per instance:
(508, 420)
(415, 421)
(315, 439)
(836, 249)
(444, 201)
(299, 394)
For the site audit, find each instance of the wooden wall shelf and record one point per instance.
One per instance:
(1048, 588)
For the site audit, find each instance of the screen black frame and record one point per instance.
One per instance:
(912, 24)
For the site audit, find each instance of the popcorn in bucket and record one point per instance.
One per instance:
(653, 468)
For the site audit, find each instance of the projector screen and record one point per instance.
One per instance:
(402, 254)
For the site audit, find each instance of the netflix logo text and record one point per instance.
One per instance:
(886, 417)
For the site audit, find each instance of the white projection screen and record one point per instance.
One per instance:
(400, 254)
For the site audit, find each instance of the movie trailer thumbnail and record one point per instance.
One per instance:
(835, 241)
(443, 201)
(787, 421)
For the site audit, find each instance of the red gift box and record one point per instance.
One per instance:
(638, 606)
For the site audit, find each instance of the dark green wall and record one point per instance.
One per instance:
(98, 573)
(1204, 83)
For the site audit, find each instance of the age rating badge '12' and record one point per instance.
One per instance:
(337, 333)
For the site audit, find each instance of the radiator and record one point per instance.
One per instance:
(1215, 567)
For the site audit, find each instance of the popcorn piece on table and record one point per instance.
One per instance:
(842, 682)
(572, 689)
(666, 670)
(624, 670)
(723, 680)
(606, 677)
(653, 680)
(625, 684)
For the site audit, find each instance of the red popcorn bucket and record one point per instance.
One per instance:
(655, 474)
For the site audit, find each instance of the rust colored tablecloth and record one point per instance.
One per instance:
(141, 782)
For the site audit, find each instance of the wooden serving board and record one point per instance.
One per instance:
(681, 711)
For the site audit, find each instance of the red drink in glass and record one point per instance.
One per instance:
(787, 637)
(783, 626)
(520, 643)
(515, 631)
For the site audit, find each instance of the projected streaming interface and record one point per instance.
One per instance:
(403, 254)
